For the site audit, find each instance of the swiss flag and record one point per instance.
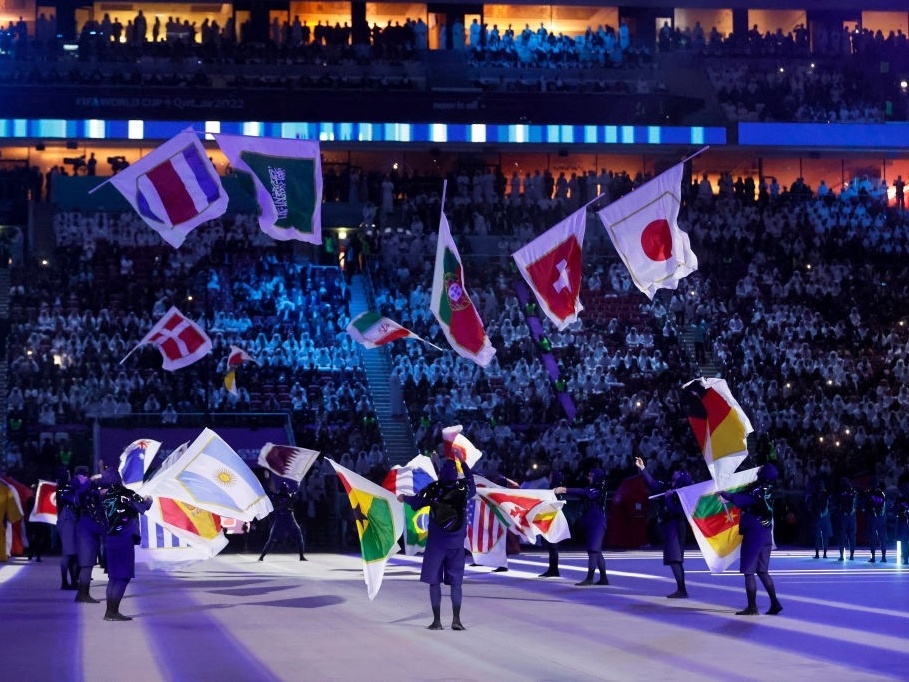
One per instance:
(180, 340)
(551, 265)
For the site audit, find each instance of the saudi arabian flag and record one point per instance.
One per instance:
(714, 522)
(380, 522)
(451, 304)
(373, 330)
(288, 181)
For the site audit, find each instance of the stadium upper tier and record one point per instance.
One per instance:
(603, 76)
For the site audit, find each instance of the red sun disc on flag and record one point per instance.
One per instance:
(656, 240)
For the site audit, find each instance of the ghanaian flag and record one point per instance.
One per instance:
(380, 521)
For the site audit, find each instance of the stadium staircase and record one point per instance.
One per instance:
(397, 434)
(706, 369)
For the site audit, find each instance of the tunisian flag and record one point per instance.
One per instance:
(180, 340)
(643, 227)
(451, 303)
(45, 509)
(551, 265)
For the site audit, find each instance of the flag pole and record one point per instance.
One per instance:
(594, 200)
(442, 350)
(97, 187)
(697, 153)
(130, 353)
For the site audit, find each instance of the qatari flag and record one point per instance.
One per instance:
(287, 460)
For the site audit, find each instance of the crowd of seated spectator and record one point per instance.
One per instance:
(784, 322)
(110, 282)
(789, 87)
(804, 93)
(800, 294)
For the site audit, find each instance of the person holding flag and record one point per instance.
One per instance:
(122, 508)
(673, 523)
(90, 529)
(756, 529)
(593, 521)
(67, 515)
(444, 557)
(284, 522)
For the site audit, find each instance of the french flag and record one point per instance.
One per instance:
(410, 478)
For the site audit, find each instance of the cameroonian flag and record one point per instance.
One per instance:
(373, 330)
(380, 522)
(287, 175)
(451, 304)
(720, 425)
(715, 524)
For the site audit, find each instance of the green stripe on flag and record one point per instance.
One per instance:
(365, 321)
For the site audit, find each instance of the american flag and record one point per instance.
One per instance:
(485, 534)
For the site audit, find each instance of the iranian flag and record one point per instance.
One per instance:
(287, 175)
(451, 304)
(380, 521)
(373, 330)
(715, 523)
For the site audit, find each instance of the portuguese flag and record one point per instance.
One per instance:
(716, 525)
(451, 304)
(380, 522)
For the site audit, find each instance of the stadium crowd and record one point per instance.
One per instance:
(768, 76)
(807, 330)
